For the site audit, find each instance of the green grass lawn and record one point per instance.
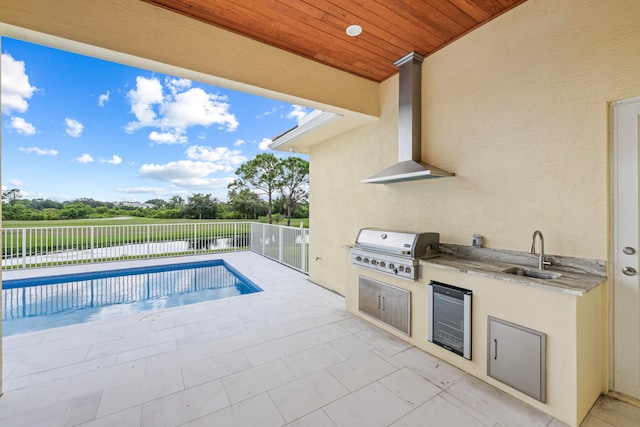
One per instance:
(42, 237)
(128, 221)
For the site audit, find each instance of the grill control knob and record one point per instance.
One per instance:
(401, 268)
(366, 260)
(391, 266)
(374, 262)
(407, 270)
(358, 258)
(383, 264)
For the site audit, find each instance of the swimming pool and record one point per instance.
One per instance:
(47, 302)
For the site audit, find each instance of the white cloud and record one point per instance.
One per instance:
(14, 85)
(74, 127)
(297, 112)
(115, 160)
(39, 151)
(16, 182)
(148, 92)
(21, 126)
(269, 112)
(85, 158)
(177, 85)
(197, 107)
(168, 138)
(103, 99)
(173, 113)
(159, 191)
(186, 173)
(238, 142)
(217, 154)
(264, 144)
(181, 169)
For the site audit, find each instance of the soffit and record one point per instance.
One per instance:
(315, 29)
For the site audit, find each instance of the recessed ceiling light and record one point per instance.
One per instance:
(354, 30)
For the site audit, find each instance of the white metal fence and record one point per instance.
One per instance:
(54, 246)
(287, 245)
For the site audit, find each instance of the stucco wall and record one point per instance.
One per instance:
(519, 111)
(592, 348)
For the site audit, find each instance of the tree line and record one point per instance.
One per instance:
(265, 187)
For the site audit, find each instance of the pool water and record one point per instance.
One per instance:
(47, 302)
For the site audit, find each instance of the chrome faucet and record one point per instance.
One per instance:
(532, 250)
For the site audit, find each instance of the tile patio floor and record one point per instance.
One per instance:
(290, 355)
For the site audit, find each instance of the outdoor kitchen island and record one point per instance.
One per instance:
(568, 312)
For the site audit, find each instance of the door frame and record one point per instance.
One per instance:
(613, 272)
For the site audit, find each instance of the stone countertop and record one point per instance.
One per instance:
(578, 276)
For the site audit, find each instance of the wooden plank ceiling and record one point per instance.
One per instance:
(316, 29)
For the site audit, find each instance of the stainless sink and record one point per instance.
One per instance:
(532, 272)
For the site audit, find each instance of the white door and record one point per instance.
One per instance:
(624, 277)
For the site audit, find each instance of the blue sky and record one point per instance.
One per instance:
(74, 126)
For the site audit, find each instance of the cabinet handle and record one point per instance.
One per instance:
(383, 303)
(629, 271)
(378, 303)
(495, 349)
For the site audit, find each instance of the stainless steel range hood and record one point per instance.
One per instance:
(409, 166)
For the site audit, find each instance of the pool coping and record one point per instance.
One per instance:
(125, 271)
(109, 266)
(124, 268)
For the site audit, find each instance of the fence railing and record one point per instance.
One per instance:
(287, 245)
(55, 246)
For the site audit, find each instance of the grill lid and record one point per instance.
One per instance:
(413, 245)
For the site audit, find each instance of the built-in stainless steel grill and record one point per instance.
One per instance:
(393, 252)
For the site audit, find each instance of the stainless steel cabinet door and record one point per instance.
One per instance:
(386, 303)
(517, 357)
(369, 298)
(395, 308)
